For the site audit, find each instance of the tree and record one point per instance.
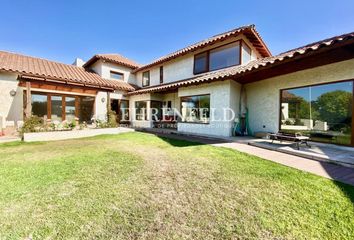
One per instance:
(335, 108)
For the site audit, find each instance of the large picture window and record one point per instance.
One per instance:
(323, 112)
(195, 109)
(225, 56)
(221, 57)
(140, 110)
(62, 107)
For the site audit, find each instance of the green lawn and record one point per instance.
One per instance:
(139, 186)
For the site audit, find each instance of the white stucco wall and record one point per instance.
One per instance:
(263, 96)
(11, 108)
(101, 106)
(182, 67)
(224, 94)
(103, 69)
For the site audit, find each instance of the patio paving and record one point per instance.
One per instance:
(319, 151)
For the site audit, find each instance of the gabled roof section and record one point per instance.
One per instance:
(113, 58)
(249, 31)
(32, 68)
(240, 70)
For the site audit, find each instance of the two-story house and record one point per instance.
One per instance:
(226, 84)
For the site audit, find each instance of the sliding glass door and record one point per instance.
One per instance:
(323, 112)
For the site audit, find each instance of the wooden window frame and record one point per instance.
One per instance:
(115, 72)
(207, 52)
(242, 42)
(142, 79)
(197, 95)
(49, 102)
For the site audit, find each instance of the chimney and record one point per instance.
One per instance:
(78, 62)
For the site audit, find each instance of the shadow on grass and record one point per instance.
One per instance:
(344, 178)
(186, 141)
(20, 143)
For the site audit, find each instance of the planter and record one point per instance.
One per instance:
(62, 135)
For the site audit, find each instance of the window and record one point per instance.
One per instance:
(146, 78)
(124, 110)
(56, 108)
(39, 105)
(70, 108)
(246, 53)
(195, 109)
(116, 75)
(62, 107)
(140, 110)
(156, 110)
(225, 56)
(86, 109)
(218, 58)
(201, 63)
(323, 112)
(161, 74)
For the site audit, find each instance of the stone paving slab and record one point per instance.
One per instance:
(323, 152)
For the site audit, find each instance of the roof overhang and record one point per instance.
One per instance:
(248, 31)
(329, 51)
(26, 77)
(97, 57)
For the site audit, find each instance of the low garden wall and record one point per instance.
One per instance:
(62, 135)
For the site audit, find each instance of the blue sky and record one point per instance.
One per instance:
(145, 30)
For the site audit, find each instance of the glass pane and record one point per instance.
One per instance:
(156, 110)
(146, 78)
(224, 56)
(323, 112)
(39, 105)
(117, 75)
(57, 108)
(124, 110)
(140, 110)
(246, 54)
(195, 109)
(86, 109)
(69, 108)
(200, 63)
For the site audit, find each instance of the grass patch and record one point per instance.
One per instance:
(139, 186)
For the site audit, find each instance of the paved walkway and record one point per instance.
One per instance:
(5, 139)
(324, 169)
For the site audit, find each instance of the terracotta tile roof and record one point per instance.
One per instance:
(42, 69)
(249, 31)
(113, 58)
(235, 71)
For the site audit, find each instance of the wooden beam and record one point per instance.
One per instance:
(60, 87)
(298, 63)
(28, 109)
